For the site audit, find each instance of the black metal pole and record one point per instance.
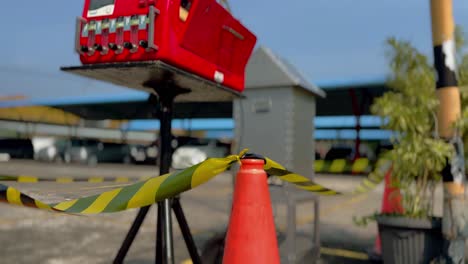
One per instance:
(185, 230)
(166, 101)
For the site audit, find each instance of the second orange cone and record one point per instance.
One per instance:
(251, 236)
(391, 204)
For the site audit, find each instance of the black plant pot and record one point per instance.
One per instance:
(410, 241)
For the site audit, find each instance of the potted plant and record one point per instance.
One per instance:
(409, 109)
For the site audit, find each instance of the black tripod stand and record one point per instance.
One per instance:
(167, 83)
(166, 92)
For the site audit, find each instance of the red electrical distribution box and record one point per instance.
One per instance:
(198, 36)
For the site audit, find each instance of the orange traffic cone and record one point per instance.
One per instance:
(391, 203)
(251, 236)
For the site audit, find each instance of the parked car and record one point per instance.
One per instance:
(114, 153)
(83, 151)
(55, 152)
(152, 151)
(317, 156)
(92, 152)
(138, 153)
(152, 154)
(16, 148)
(340, 152)
(383, 147)
(198, 150)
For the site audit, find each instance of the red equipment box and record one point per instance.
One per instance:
(198, 36)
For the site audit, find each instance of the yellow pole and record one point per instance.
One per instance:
(443, 29)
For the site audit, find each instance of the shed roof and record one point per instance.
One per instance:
(267, 69)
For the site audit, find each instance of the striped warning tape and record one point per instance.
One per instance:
(344, 253)
(358, 166)
(34, 179)
(155, 189)
(273, 168)
(374, 178)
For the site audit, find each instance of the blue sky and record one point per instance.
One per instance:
(327, 40)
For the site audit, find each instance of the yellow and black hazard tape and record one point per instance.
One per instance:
(34, 179)
(273, 168)
(343, 166)
(155, 189)
(383, 165)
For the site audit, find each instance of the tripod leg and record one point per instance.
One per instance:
(184, 228)
(131, 235)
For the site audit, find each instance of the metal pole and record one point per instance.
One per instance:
(449, 111)
(166, 103)
(357, 114)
